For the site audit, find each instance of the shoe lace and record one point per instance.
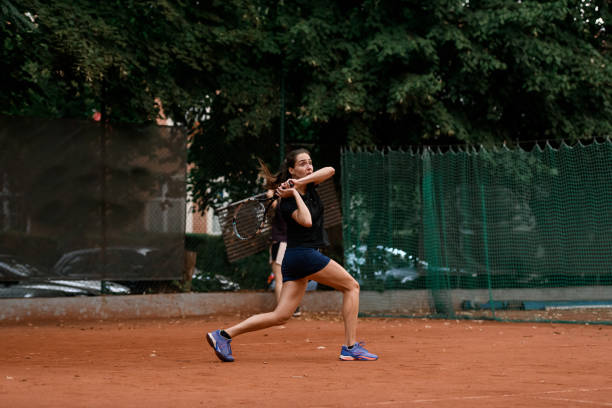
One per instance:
(358, 348)
(225, 347)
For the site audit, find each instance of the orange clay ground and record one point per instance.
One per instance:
(423, 363)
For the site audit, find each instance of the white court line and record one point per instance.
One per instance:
(603, 404)
(475, 397)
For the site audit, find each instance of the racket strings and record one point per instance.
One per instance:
(248, 218)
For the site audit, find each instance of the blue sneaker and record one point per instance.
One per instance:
(222, 347)
(356, 353)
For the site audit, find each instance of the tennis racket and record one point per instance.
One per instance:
(250, 216)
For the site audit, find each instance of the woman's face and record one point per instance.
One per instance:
(302, 167)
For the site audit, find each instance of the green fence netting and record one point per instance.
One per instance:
(485, 233)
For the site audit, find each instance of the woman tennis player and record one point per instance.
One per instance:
(302, 210)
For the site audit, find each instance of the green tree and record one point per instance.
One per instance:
(351, 73)
(391, 73)
(68, 58)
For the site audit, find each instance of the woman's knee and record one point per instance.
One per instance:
(350, 285)
(355, 286)
(281, 317)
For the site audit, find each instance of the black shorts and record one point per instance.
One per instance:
(300, 262)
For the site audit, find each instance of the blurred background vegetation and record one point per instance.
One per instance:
(237, 74)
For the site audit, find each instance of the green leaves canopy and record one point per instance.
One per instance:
(354, 73)
(69, 58)
(389, 73)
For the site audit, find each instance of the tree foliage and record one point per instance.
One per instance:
(67, 58)
(351, 73)
(389, 73)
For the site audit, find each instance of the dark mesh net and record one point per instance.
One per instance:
(82, 201)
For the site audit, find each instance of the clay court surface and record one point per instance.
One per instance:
(423, 363)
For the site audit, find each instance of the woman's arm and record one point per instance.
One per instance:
(269, 194)
(302, 214)
(317, 177)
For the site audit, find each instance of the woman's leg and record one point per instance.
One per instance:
(278, 280)
(338, 278)
(291, 296)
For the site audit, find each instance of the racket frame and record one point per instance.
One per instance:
(273, 198)
(263, 219)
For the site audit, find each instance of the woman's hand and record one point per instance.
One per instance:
(294, 183)
(285, 190)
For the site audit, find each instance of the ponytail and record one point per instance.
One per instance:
(271, 181)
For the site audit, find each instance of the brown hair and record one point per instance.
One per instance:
(272, 181)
